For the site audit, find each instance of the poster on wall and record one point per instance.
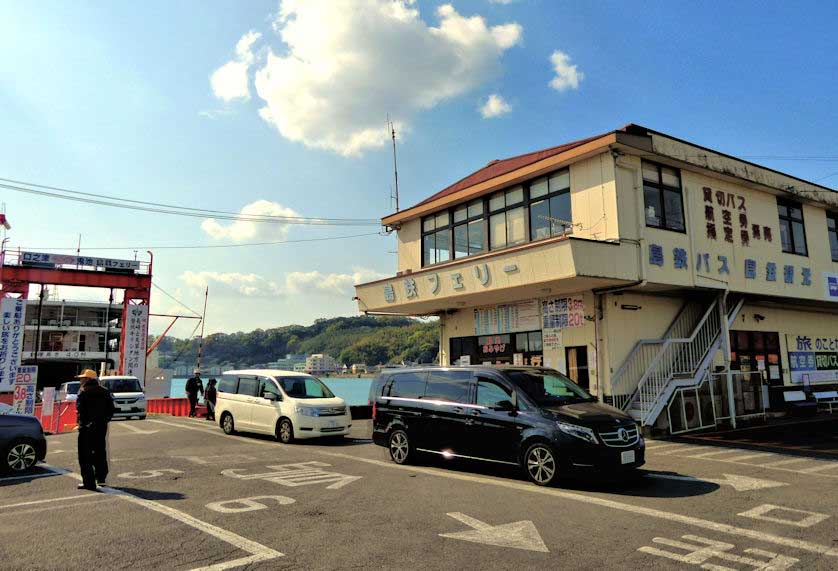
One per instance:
(23, 395)
(11, 340)
(509, 318)
(562, 312)
(812, 359)
(135, 338)
(551, 339)
(830, 283)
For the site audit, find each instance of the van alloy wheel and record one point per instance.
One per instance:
(285, 433)
(227, 424)
(399, 447)
(21, 457)
(540, 464)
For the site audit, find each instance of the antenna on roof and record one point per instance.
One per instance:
(392, 129)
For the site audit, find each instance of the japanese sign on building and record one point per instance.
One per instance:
(510, 318)
(11, 340)
(25, 384)
(87, 261)
(558, 314)
(830, 282)
(812, 359)
(135, 338)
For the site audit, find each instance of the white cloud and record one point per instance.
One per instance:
(567, 76)
(230, 81)
(329, 284)
(346, 64)
(242, 230)
(249, 285)
(495, 106)
(504, 2)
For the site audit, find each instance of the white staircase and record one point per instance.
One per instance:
(655, 368)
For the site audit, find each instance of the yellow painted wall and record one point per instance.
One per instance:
(593, 198)
(410, 245)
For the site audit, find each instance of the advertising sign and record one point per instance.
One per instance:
(830, 282)
(68, 260)
(11, 340)
(510, 318)
(562, 312)
(26, 379)
(135, 337)
(812, 359)
(48, 402)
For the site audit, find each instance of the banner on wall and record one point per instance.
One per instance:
(136, 336)
(509, 318)
(812, 359)
(11, 340)
(558, 314)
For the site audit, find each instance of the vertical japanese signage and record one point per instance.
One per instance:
(11, 340)
(136, 336)
(26, 379)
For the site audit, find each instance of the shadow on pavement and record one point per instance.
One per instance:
(149, 494)
(16, 479)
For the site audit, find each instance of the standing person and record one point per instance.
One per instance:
(193, 387)
(209, 399)
(95, 409)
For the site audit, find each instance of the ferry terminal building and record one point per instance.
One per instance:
(685, 286)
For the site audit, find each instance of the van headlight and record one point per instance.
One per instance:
(306, 411)
(581, 432)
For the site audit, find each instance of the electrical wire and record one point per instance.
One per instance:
(186, 345)
(160, 208)
(201, 246)
(176, 300)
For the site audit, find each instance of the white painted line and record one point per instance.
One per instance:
(681, 448)
(783, 462)
(50, 500)
(749, 457)
(808, 520)
(136, 430)
(821, 468)
(661, 446)
(649, 512)
(708, 454)
(258, 552)
(29, 477)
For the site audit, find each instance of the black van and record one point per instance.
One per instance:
(531, 417)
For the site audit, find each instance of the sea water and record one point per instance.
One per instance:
(353, 390)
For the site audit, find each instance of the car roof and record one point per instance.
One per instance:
(465, 367)
(267, 373)
(118, 378)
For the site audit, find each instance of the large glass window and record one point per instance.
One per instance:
(832, 230)
(305, 388)
(491, 392)
(664, 204)
(451, 386)
(550, 211)
(507, 224)
(436, 240)
(792, 230)
(406, 385)
(248, 386)
(469, 229)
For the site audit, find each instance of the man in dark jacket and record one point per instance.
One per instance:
(95, 409)
(193, 387)
(209, 399)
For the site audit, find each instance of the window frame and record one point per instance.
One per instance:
(660, 187)
(524, 204)
(791, 221)
(482, 217)
(547, 198)
(834, 217)
(448, 229)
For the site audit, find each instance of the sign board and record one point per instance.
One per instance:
(812, 359)
(135, 337)
(48, 402)
(830, 283)
(75, 355)
(11, 340)
(26, 379)
(69, 260)
(510, 318)
(562, 312)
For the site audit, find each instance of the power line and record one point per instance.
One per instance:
(204, 246)
(161, 208)
(176, 300)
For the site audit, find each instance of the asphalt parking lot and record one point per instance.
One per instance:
(183, 495)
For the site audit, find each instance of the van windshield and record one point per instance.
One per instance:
(305, 388)
(72, 388)
(548, 387)
(123, 385)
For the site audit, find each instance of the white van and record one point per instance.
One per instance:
(128, 396)
(284, 404)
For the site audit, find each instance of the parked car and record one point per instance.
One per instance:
(22, 441)
(284, 404)
(69, 391)
(531, 417)
(128, 396)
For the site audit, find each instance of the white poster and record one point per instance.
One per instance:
(11, 340)
(48, 402)
(135, 338)
(551, 339)
(510, 318)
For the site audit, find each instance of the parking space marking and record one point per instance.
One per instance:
(517, 535)
(751, 456)
(821, 465)
(26, 477)
(708, 454)
(824, 466)
(50, 500)
(134, 429)
(297, 474)
(784, 462)
(257, 551)
(219, 459)
(146, 474)
(678, 448)
(739, 483)
(247, 504)
(702, 550)
(808, 518)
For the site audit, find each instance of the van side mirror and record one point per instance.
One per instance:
(270, 396)
(504, 405)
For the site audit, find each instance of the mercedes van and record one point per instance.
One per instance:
(284, 404)
(531, 417)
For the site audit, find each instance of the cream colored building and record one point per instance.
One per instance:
(639, 264)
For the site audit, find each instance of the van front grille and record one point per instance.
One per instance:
(621, 437)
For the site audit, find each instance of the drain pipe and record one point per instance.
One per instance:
(731, 402)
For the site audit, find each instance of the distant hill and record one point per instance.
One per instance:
(363, 339)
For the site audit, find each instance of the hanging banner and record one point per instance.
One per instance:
(134, 339)
(510, 318)
(11, 340)
(86, 261)
(812, 359)
(562, 312)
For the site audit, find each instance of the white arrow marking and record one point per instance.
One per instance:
(518, 535)
(739, 483)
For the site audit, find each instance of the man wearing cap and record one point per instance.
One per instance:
(193, 387)
(95, 409)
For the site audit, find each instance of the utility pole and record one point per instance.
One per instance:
(107, 331)
(201, 340)
(38, 328)
(395, 164)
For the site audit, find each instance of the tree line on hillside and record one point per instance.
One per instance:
(363, 339)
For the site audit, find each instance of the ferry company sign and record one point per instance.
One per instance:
(812, 359)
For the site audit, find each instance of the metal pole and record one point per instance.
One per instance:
(731, 403)
(38, 328)
(203, 320)
(108, 327)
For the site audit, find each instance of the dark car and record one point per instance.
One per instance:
(22, 441)
(531, 417)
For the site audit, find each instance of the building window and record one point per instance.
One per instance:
(550, 212)
(832, 230)
(792, 230)
(469, 229)
(436, 240)
(664, 204)
(507, 221)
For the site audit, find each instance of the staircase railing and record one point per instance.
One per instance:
(646, 351)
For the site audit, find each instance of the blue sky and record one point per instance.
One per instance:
(117, 99)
